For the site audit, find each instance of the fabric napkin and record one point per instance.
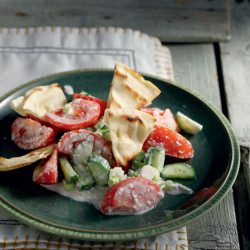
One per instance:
(26, 54)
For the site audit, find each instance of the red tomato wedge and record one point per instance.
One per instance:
(47, 172)
(201, 196)
(70, 139)
(83, 113)
(30, 134)
(174, 143)
(102, 103)
(135, 195)
(163, 117)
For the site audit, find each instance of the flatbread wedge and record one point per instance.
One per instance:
(130, 90)
(7, 164)
(40, 100)
(129, 128)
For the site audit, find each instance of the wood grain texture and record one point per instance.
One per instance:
(242, 194)
(195, 67)
(236, 70)
(175, 21)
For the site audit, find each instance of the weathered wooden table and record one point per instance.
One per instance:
(210, 45)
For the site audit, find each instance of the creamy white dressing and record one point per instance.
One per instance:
(95, 195)
(92, 196)
(145, 210)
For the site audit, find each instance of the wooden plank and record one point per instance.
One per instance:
(242, 194)
(195, 67)
(172, 21)
(236, 70)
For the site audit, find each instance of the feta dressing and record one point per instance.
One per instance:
(92, 196)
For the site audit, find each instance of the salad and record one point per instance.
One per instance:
(110, 153)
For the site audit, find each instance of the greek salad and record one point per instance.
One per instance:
(112, 152)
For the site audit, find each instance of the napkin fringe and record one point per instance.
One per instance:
(74, 30)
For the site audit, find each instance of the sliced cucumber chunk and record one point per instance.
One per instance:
(106, 136)
(133, 173)
(103, 130)
(138, 161)
(85, 180)
(178, 171)
(82, 151)
(187, 124)
(68, 172)
(68, 187)
(155, 157)
(99, 168)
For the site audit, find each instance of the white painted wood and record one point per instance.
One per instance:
(195, 67)
(189, 20)
(236, 70)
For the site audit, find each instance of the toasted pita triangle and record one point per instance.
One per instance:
(7, 164)
(130, 90)
(129, 128)
(40, 100)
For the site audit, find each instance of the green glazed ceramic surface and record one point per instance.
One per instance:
(216, 162)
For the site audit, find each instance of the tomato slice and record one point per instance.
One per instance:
(135, 195)
(203, 195)
(82, 114)
(70, 139)
(174, 143)
(30, 134)
(102, 103)
(163, 117)
(47, 172)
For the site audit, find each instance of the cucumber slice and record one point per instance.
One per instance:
(99, 168)
(187, 124)
(85, 180)
(155, 157)
(69, 173)
(106, 136)
(82, 151)
(68, 187)
(103, 130)
(178, 171)
(133, 173)
(138, 161)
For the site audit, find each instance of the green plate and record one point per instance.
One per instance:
(216, 162)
